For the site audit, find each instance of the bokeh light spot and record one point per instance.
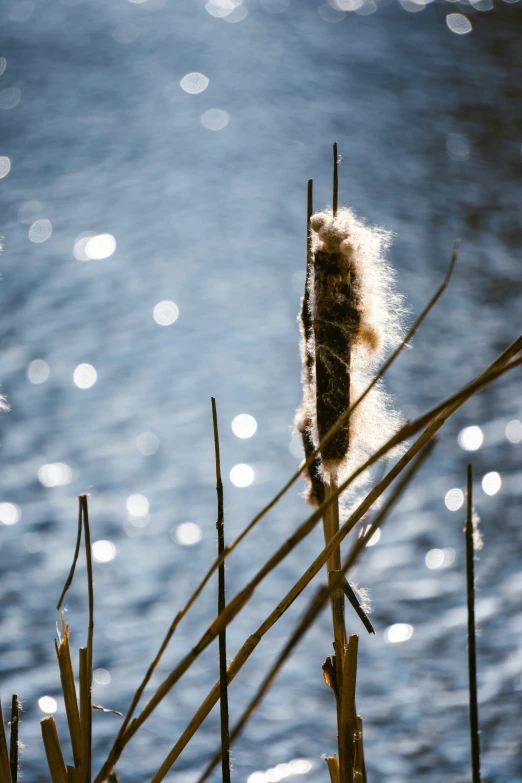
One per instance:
(491, 483)
(399, 632)
(138, 505)
(103, 551)
(10, 97)
(101, 676)
(514, 431)
(471, 438)
(215, 119)
(166, 313)
(9, 513)
(5, 166)
(85, 376)
(244, 426)
(458, 23)
(147, 443)
(241, 475)
(48, 705)
(54, 474)
(40, 231)
(38, 371)
(188, 534)
(100, 246)
(454, 499)
(194, 83)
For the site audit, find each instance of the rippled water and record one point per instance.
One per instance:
(154, 250)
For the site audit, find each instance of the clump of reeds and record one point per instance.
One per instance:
(343, 325)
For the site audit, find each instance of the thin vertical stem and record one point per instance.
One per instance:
(472, 650)
(87, 756)
(5, 768)
(13, 753)
(335, 198)
(223, 684)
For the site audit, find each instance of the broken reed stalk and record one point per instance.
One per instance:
(472, 650)
(252, 642)
(65, 665)
(333, 768)
(13, 749)
(436, 418)
(223, 685)
(311, 459)
(313, 610)
(347, 710)
(53, 750)
(5, 767)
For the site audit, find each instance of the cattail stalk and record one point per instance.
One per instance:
(347, 702)
(5, 767)
(472, 650)
(13, 751)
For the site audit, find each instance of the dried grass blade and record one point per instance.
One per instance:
(5, 768)
(63, 653)
(13, 750)
(53, 750)
(85, 714)
(472, 649)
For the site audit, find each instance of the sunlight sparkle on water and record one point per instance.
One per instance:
(40, 231)
(440, 558)
(48, 705)
(222, 8)
(100, 246)
(54, 474)
(147, 443)
(458, 23)
(194, 83)
(38, 371)
(215, 119)
(241, 475)
(5, 166)
(491, 483)
(514, 431)
(244, 426)
(85, 376)
(166, 313)
(10, 97)
(138, 505)
(454, 499)
(103, 551)
(471, 438)
(188, 534)
(399, 632)
(3, 65)
(9, 513)
(101, 676)
(281, 771)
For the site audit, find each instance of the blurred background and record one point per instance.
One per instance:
(153, 160)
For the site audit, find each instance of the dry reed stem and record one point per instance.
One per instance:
(118, 744)
(63, 653)
(5, 767)
(331, 527)
(350, 594)
(53, 750)
(13, 749)
(85, 714)
(74, 775)
(87, 674)
(360, 764)
(472, 649)
(335, 189)
(252, 642)
(347, 702)
(333, 768)
(75, 558)
(312, 612)
(223, 685)
(441, 412)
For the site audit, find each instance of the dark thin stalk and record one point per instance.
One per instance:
(90, 631)
(335, 198)
(13, 751)
(351, 596)
(75, 558)
(472, 651)
(223, 684)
